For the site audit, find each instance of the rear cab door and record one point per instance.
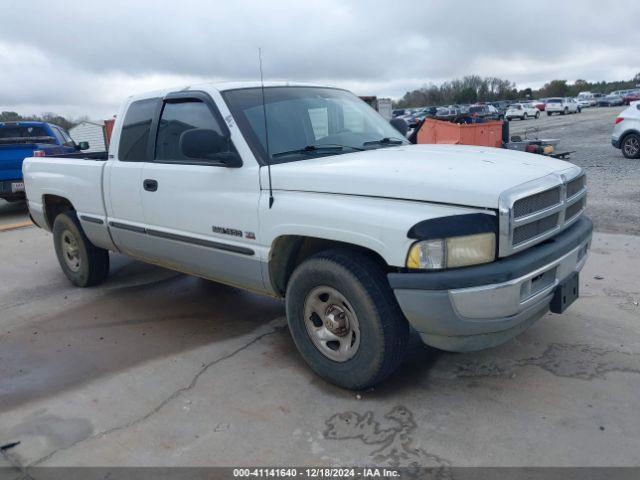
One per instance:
(123, 174)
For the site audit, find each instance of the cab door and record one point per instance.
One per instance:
(200, 202)
(123, 176)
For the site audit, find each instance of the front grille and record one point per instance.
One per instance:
(574, 209)
(529, 219)
(535, 203)
(574, 186)
(533, 229)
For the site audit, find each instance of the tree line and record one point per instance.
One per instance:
(473, 88)
(45, 117)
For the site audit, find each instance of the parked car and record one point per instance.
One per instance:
(562, 106)
(632, 96)
(626, 131)
(585, 99)
(19, 140)
(539, 104)
(400, 112)
(610, 101)
(447, 113)
(429, 111)
(364, 235)
(486, 112)
(622, 93)
(501, 106)
(523, 111)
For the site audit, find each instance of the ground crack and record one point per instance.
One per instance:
(166, 401)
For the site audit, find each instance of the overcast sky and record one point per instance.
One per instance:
(84, 57)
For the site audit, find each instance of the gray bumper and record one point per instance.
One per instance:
(479, 307)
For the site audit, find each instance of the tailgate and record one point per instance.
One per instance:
(11, 157)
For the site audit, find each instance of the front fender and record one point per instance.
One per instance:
(378, 224)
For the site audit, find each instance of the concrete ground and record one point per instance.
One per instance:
(13, 214)
(158, 368)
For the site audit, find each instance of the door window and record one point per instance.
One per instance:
(184, 119)
(134, 138)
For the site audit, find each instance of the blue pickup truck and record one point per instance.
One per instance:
(19, 140)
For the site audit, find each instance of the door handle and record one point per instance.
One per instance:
(150, 185)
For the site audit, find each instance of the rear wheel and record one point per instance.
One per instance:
(345, 320)
(537, 115)
(630, 146)
(83, 263)
(565, 111)
(525, 116)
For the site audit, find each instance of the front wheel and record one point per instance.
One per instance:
(548, 114)
(631, 146)
(83, 263)
(345, 320)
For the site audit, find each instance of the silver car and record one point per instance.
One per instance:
(626, 132)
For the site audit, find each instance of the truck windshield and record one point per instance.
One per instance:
(307, 122)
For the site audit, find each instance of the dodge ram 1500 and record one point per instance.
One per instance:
(306, 193)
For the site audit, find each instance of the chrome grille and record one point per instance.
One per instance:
(533, 229)
(535, 203)
(539, 209)
(574, 186)
(575, 209)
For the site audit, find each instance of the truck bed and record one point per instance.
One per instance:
(77, 179)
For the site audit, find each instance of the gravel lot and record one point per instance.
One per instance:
(614, 181)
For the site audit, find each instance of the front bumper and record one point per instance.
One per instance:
(478, 307)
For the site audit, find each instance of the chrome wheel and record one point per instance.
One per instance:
(332, 323)
(631, 146)
(70, 251)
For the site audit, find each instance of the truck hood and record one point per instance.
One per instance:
(453, 174)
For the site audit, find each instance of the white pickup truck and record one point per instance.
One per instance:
(306, 193)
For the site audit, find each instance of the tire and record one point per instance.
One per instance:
(89, 266)
(525, 116)
(537, 115)
(548, 114)
(355, 287)
(565, 111)
(630, 146)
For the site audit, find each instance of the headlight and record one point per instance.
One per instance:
(453, 252)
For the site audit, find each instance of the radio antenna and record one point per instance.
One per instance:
(266, 129)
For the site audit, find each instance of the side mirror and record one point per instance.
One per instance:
(83, 146)
(209, 145)
(400, 125)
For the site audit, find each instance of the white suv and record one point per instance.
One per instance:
(563, 106)
(521, 111)
(626, 132)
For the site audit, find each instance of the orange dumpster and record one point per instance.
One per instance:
(488, 134)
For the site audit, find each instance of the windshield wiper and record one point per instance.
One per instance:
(310, 149)
(384, 141)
